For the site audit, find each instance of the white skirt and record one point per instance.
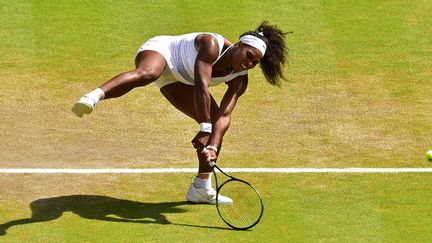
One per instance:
(162, 45)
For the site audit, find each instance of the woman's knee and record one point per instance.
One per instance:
(146, 75)
(149, 66)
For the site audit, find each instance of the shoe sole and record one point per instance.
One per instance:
(194, 200)
(206, 202)
(80, 109)
(198, 201)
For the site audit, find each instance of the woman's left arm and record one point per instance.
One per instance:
(236, 88)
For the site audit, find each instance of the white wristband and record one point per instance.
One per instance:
(206, 127)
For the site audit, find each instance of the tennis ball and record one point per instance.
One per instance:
(429, 155)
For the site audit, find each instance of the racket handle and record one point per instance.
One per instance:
(211, 163)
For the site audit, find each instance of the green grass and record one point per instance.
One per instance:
(298, 208)
(357, 95)
(357, 90)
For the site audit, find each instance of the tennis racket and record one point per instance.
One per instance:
(247, 207)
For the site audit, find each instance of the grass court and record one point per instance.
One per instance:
(357, 95)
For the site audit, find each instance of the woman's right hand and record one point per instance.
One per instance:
(209, 154)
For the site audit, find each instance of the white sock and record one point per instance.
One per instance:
(96, 95)
(202, 183)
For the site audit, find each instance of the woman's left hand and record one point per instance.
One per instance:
(200, 140)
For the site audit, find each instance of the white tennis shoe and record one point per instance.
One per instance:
(85, 105)
(205, 195)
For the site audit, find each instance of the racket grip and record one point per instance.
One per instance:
(212, 164)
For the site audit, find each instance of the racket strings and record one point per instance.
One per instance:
(246, 207)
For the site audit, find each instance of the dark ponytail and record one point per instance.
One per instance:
(276, 54)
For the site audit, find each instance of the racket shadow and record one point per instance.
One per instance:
(103, 208)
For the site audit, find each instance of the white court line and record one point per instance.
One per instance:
(194, 170)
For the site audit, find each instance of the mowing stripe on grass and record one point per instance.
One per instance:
(192, 170)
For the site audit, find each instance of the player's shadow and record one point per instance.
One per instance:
(103, 208)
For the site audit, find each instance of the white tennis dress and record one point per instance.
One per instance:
(180, 55)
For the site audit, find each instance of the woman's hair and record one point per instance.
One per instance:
(276, 53)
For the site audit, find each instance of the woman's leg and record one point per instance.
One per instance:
(149, 67)
(181, 96)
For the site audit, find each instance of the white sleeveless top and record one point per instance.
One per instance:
(180, 55)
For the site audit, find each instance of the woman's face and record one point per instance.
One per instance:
(245, 57)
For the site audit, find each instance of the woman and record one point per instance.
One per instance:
(184, 67)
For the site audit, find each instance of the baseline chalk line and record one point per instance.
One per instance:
(194, 170)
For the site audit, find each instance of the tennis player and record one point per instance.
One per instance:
(183, 67)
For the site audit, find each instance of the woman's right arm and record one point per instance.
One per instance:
(208, 51)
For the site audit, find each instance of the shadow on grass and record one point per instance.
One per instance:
(101, 208)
